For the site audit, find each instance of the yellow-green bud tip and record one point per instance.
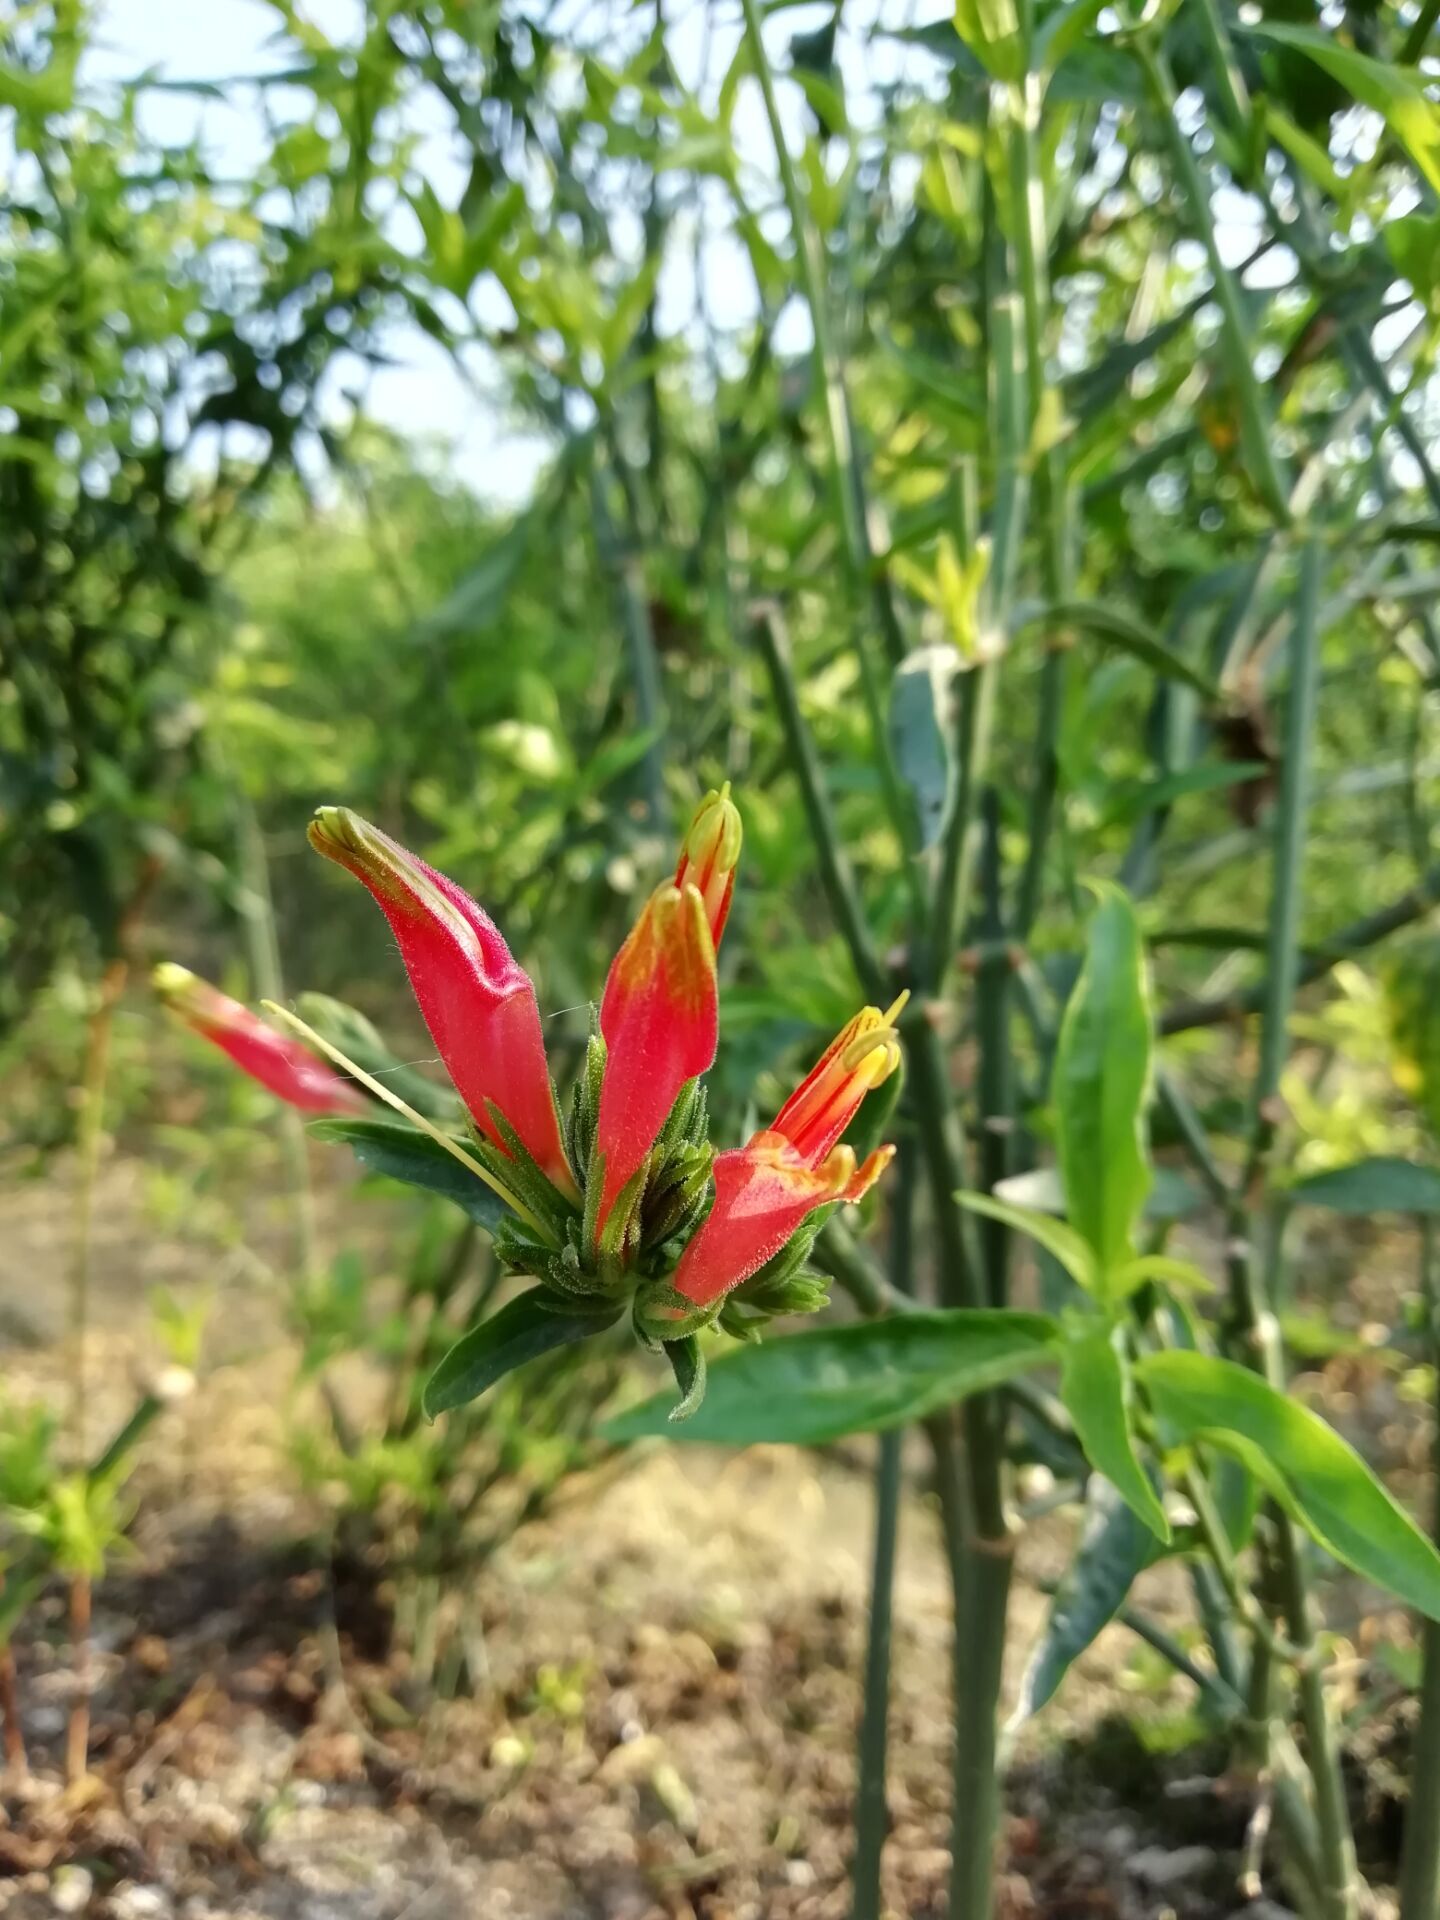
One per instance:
(172, 981)
(715, 834)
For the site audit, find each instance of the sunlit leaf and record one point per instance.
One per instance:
(1315, 1475)
(1075, 1254)
(1101, 1085)
(525, 1327)
(1095, 1386)
(1395, 92)
(808, 1388)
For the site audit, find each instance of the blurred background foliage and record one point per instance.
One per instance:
(229, 592)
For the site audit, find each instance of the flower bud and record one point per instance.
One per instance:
(279, 1063)
(710, 854)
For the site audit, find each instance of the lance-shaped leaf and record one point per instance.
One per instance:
(1315, 1475)
(1397, 93)
(1114, 1547)
(809, 1388)
(405, 1154)
(1062, 1242)
(1384, 1184)
(1102, 1083)
(1095, 1386)
(531, 1324)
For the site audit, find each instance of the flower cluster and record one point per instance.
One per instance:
(623, 1197)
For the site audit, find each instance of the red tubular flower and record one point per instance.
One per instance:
(764, 1190)
(478, 1002)
(283, 1065)
(660, 1013)
(660, 1019)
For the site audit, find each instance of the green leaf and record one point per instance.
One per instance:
(1396, 93)
(1307, 154)
(531, 1324)
(1315, 1475)
(357, 1039)
(1095, 1386)
(990, 29)
(1384, 1184)
(479, 599)
(1073, 1253)
(687, 1359)
(921, 697)
(1102, 1082)
(1135, 799)
(1172, 1197)
(1108, 623)
(1063, 30)
(1165, 1269)
(1413, 244)
(808, 1388)
(405, 1154)
(1114, 1547)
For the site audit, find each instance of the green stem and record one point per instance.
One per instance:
(835, 874)
(847, 480)
(1213, 1687)
(1292, 814)
(1417, 39)
(624, 560)
(1412, 905)
(1257, 431)
(995, 1080)
(1339, 1891)
(1030, 242)
(982, 1586)
(978, 1538)
(1174, 1100)
(849, 510)
(146, 1409)
(871, 1816)
(269, 984)
(975, 712)
(1420, 1857)
(847, 1263)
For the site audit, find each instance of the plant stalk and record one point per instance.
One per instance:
(865, 577)
(1420, 1856)
(268, 982)
(1339, 1882)
(1256, 428)
(871, 1811)
(835, 873)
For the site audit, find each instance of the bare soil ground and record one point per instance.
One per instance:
(673, 1657)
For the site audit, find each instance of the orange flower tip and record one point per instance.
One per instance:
(869, 1171)
(672, 932)
(710, 854)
